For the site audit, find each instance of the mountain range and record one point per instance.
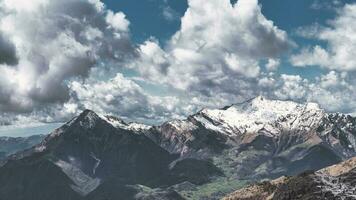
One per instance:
(205, 156)
(11, 145)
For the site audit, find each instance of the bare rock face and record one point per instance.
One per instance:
(335, 182)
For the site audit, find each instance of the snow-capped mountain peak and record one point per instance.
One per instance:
(88, 119)
(261, 113)
(265, 108)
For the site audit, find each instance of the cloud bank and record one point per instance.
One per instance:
(60, 57)
(218, 43)
(46, 43)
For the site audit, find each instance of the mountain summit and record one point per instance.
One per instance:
(260, 113)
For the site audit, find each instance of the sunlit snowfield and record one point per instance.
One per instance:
(23, 131)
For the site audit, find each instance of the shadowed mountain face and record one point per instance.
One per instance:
(206, 156)
(88, 158)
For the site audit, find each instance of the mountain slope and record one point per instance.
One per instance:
(335, 182)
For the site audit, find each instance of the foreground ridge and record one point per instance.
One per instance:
(335, 182)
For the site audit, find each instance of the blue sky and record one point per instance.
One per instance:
(147, 18)
(155, 60)
(16, 131)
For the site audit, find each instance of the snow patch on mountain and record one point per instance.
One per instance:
(114, 121)
(138, 127)
(182, 125)
(83, 183)
(97, 163)
(118, 123)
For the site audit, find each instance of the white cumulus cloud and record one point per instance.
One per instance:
(339, 35)
(46, 43)
(217, 49)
